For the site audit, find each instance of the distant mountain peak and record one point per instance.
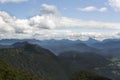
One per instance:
(91, 41)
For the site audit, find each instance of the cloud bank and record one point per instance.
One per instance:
(92, 8)
(50, 25)
(15, 1)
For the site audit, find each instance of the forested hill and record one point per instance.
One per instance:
(35, 60)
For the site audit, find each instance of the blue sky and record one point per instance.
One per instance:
(32, 7)
(93, 18)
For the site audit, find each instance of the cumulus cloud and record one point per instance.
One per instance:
(115, 4)
(44, 21)
(49, 9)
(11, 24)
(48, 18)
(16, 1)
(49, 25)
(92, 8)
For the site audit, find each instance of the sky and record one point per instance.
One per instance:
(59, 19)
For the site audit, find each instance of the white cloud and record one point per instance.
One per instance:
(115, 4)
(50, 25)
(16, 1)
(44, 21)
(92, 8)
(11, 25)
(49, 9)
(103, 9)
(65, 8)
(77, 23)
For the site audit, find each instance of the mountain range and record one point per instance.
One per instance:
(45, 65)
(108, 47)
(52, 59)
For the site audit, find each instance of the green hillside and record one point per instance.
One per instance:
(25, 61)
(34, 59)
(9, 73)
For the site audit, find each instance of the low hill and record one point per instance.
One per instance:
(9, 73)
(35, 59)
(74, 61)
